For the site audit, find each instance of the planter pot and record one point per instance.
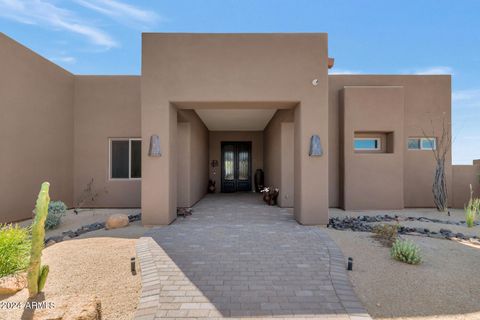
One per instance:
(258, 180)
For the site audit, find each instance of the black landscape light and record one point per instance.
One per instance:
(350, 264)
(133, 267)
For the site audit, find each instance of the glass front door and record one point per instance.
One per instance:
(236, 166)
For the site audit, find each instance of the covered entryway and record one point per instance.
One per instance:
(228, 146)
(237, 257)
(238, 73)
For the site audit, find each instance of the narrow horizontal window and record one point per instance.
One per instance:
(422, 143)
(366, 144)
(125, 158)
(414, 144)
(429, 143)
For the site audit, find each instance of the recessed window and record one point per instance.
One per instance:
(422, 143)
(125, 158)
(363, 144)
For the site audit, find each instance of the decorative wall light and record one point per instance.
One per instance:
(315, 146)
(214, 164)
(154, 150)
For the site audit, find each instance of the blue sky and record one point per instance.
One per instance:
(417, 36)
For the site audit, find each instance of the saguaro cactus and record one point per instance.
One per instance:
(37, 274)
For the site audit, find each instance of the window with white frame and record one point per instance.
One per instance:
(422, 143)
(366, 144)
(125, 158)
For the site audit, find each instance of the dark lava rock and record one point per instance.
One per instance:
(54, 238)
(135, 217)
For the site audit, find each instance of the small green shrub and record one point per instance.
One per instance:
(472, 209)
(470, 216)
(386, 233)
(15, 243)
(406, 251)
(56, 210)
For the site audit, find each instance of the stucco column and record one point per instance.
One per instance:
(311, 173)
(159, 181)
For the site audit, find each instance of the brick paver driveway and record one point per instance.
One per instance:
(237, 257)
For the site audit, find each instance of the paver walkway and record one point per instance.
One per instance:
(239, 258)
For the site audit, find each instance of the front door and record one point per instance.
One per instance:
(236, 166)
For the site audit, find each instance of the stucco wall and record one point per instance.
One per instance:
(278, 155)
(183, 169)
(178, 68)
(192, 158)
(105, 107)
(36, 132)
(373, 180)
(426, 98)
(216, 139)
(463, 176)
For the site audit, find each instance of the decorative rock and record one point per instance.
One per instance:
(184, 212)
(117, 221)
(135, 217)
(13, 283)
(363, 224)
(80, 307)
(50, 243)
(69, 233)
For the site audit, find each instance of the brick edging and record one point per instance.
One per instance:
(150, 292)
(340, 280)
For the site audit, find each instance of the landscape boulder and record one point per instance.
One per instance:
(13, 283)
(117, 221)
(81, 307)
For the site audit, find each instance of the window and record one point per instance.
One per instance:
(366, 144)
(429, 144)
(422, 143)
(414, 144)
(125, 158)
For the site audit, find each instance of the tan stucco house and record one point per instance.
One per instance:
(219, 107)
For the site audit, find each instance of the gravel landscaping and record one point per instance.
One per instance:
(92, 264)
(445, 285)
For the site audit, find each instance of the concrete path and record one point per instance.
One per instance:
(239, 258)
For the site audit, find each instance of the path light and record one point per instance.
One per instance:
(154, 149)
(315, 146)
(133, 266)
(350, 264)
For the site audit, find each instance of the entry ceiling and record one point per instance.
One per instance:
(235, 119)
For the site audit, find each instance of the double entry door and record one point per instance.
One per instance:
(236, 166)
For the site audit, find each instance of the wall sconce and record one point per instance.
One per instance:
(154, 150)
(214, 164)
(315, 146)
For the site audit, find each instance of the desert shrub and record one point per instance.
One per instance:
(386, 233)
(15, 245)
(56, 210)
(471, 209)
(470, 216)
(406, 251)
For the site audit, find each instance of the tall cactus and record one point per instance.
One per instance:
(37, 274)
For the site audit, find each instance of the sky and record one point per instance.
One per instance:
(365, 36)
